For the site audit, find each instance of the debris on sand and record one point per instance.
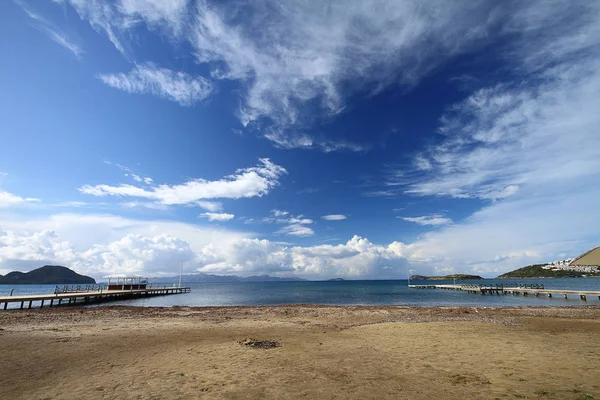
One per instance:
(259, 344)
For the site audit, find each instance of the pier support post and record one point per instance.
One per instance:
(550, 295)
(565, 295)
(5, 305)
(42, 305)
(583, 297)
(59, 301)
(29, 304)
(22, 303)
(51, 302)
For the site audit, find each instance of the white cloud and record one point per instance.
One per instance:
(54, 33)
(334, 217)
(104, 244)
(291, 74)
(247, 182)
(295, 224)
(121, 167)
(8, 199)
(217, 216)
(434, 219)
(371, 44)
(515, 232)
(155, 11)
(357, 258)
(76, 204)
(179, 87)
(135, 177)
(148, 180)
(277, 49)
(145, 204)
(103, 18)
(541, 128)
(295, 229)
(212, 206)
(100, 245)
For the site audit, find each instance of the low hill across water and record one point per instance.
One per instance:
(48, 274)
(458, 277)
(536, 271)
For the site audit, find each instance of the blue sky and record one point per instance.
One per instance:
(313, 139)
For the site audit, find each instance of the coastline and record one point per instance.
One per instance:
(322, 352)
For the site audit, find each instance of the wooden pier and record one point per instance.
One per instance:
(87, 297)
(524, 289)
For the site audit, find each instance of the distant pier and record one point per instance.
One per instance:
(522, 289)
(87, 297)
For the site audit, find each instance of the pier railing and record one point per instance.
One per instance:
(79, 289)
(96, 288)
(525, 289)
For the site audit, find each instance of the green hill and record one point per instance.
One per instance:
(48, 274)
(536, 271)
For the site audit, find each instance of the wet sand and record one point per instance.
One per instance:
(314, 353)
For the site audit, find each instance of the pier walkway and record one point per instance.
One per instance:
(96, 296)
(524, 289)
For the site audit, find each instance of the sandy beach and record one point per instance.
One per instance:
(290, 352)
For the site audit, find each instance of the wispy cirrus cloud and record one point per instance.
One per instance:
(217, 216)
(295, 225)
(247, 182)
(52, 31)
(290, 75)
(433, 219)
(179, 87)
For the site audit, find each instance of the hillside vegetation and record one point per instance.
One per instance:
(536, 271)
(48, 274)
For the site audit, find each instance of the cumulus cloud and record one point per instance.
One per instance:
(104, 244)
(217, 216)
(434, 219)
(334, 217)
(356, 258)
(8, 199)
(179, 87)
(247, 182)
(100, 245)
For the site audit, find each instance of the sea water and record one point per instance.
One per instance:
(376, 292)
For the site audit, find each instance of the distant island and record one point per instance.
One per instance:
(336, 280)
(48, 274)
(210, 278)
(461, 277)
(542, 271)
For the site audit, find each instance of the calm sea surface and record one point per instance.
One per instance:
(343, 293)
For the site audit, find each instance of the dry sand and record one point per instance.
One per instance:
(320, 353)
